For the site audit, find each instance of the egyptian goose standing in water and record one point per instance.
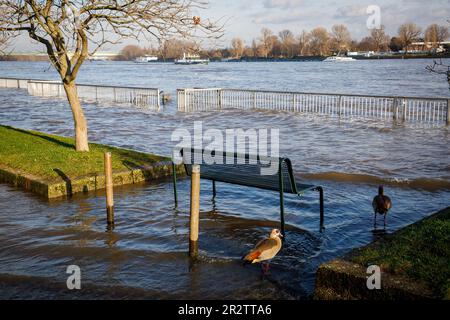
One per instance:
(381, 204)
(265, 250)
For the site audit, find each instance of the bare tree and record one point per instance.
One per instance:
(131, 52)
(266, 42)
(255, 48)
(174, 48)
(319, 41)
(436, 34)
(439, 67)
(237, 47)
(287, 43)
(303, 43)
(340, 37)
(408, 33)
(3, 41)
(379, 39)
(366, 44)
(72, 30)
(440, 34)
(249, 52)
(3, 35)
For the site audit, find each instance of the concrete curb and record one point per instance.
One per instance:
(95, 181)
(344, 280)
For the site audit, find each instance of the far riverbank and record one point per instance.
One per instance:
(393, 56)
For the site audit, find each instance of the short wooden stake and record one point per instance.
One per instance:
(195, 211)
(109, 189)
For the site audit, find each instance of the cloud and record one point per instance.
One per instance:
(279, 18)
(350, 11)
(283, 4)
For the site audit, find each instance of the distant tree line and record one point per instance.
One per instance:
(286, 44)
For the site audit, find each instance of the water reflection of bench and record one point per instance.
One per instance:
(249, 171)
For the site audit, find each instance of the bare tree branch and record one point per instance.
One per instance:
(439, 67)
(71, 30)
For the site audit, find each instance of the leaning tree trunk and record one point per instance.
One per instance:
(80, 123)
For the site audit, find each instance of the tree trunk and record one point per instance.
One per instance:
(80, 123)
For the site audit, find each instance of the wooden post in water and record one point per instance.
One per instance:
(195, 211)
(109, 189)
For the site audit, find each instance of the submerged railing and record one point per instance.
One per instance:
(412, 109)
(141, 97)
(13, 83)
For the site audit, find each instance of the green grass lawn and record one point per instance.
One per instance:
(47, 156)
(420, 251)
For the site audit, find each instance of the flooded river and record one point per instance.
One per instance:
(145, 256)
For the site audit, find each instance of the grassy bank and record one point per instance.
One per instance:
(51, 157)
(420, 251)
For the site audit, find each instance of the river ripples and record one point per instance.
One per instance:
(145, 256)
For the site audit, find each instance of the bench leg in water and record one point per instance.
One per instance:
(174, 176)
(281, 186)
(214, 189)
(322, 214)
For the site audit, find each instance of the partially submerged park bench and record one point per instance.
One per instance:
(245, 170)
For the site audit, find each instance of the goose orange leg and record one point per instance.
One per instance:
(265, 266)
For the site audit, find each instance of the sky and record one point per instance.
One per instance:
(246, 18)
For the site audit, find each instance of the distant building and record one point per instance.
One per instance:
(101, 56)
(361, 54)
(42, 56)
(429, 47)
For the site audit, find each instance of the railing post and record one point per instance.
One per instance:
(159, 100)
(254, 100)
(448, 112)
(220, 98)
(294, 102)
(395, 109)
(115, 94)
(340, 106)
(195, 211)
(404, 105)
